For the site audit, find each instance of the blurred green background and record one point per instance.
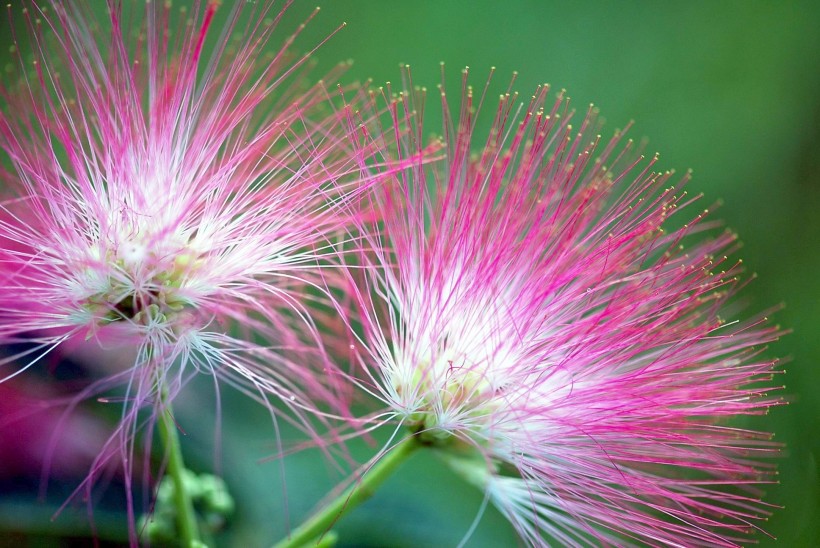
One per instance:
(728, 89)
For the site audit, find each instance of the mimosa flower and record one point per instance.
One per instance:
(172, 194)
(547, 311)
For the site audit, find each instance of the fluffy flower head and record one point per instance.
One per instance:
(529, 312)
(173, 193)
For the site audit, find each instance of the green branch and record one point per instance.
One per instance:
(185, 513)
(310, 533)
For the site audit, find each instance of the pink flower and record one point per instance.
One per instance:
(171, 196)
(545, 309)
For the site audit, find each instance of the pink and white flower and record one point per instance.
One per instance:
(544, 308)
(175, 194)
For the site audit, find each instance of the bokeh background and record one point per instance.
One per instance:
(729, 89)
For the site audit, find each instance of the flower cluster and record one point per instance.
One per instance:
(172, 196)
(527, 313)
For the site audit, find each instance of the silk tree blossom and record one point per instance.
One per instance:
(173, 191)
(544, 308)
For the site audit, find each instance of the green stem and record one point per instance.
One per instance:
(311, 531)
(186, 516)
